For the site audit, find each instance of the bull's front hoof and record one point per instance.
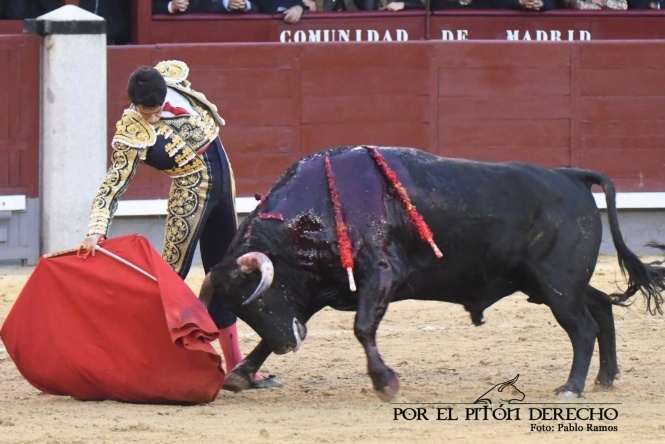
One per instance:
(389, 391)
(236, 382)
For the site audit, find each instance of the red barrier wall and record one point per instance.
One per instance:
(19, 115)
(589, 104)
(558, 24)
(592, 104)
(408, 25)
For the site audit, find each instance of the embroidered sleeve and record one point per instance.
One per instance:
(124, 162)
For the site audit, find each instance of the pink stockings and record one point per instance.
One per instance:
(228, 339)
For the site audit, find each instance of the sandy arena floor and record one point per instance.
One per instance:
(443, 361)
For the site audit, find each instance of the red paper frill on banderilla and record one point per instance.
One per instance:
(96, 329)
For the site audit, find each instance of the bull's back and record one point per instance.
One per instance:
(494, 222)
(495, 195)
(463, 201)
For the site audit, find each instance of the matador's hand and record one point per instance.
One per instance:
(90, 242)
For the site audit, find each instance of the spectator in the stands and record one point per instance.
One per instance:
(239, 6)
(524, 5)
(399, 5)
(183, 6)
(646, 4)
(372, 5)
(28, 9)
(436, 5)
(333, 5)
(291, 10)
(597, 4)
(117, 14)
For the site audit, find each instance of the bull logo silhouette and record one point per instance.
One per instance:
(502, 393)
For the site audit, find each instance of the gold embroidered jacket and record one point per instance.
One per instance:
(170, 145)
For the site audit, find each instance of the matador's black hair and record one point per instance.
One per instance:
(146, 87)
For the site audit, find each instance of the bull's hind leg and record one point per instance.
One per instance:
(570, 310)
(601, 310)
(374, 298)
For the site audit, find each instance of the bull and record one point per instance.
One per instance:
(497, 229)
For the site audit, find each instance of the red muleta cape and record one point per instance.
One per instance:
(96, 329)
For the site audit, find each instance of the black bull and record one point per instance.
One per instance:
(501, 227)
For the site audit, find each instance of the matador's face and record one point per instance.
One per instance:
(150, 114)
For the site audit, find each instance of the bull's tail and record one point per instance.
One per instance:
(649, 279)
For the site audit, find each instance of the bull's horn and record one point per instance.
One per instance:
(251, 261)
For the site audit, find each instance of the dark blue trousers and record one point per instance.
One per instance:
(217, 225)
